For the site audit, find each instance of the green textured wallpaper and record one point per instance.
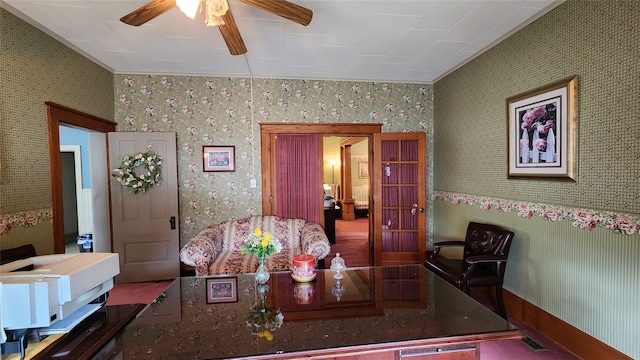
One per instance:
(35, 68)
(470, 108)
(577, 245)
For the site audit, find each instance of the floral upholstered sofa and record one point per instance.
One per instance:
(216, 249)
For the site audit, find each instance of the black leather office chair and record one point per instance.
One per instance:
(486, 248)
(18, 253)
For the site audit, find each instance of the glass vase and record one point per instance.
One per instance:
(262, 273)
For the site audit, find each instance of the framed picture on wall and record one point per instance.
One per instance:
(363, 170)
(222, 290)
(542, 128)
(219, 158)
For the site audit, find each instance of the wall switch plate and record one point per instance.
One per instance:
(253, 183)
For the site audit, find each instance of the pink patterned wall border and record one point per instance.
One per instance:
(26, 219)
(582, 218)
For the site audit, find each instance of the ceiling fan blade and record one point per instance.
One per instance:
(148, 12)
(285, 9)
(231, 35)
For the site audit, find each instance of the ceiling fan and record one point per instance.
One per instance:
(219, 14)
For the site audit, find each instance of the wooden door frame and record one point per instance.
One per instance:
(57, 115)
(268, 131)
(348, 204)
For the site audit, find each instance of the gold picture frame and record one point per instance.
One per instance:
(542, 132)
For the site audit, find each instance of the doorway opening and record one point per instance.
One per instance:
(71, 178)
(58, 115)
(348, 232)
(268, 135)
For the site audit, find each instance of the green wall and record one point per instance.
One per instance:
(35, 68)
(564, 269)
(588, 278)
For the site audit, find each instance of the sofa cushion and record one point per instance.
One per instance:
(216, 249)
(234, 232)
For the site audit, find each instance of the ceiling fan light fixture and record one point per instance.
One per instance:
(215, 10)
(188, 7)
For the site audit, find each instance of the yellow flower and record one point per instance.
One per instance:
(265, 241)
(266, 334)
(258, 232)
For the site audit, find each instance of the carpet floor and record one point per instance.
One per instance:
(136, 293)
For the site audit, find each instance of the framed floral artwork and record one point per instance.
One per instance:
(222, 290)
(363, 170)
(542, 131)
(219, 158)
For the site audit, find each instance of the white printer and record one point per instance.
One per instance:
(41, 291)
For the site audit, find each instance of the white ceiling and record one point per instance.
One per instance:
(415, 41)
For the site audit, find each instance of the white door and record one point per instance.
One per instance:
(145, 224)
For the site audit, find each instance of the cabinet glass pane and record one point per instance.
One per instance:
(409, 173)
(409, 241)
(409, 196)
(409, 150)
(390, 196)
(389, 150)
(390, 173)
(390, 241)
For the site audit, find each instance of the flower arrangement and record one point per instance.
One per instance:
(263, 320)
(537, 125)
(127, 177)
(263, 245)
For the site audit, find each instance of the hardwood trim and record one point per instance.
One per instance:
(56, 115)
(569, 337)
(265, 169)
(348, 204)
(268, 133)
(324, 129)
(352, 140)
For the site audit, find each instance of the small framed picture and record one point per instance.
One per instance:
(222, 290)
(219, 158)
(363, 170)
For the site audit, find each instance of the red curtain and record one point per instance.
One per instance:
(298, 177)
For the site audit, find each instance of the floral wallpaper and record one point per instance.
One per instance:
(228, 111)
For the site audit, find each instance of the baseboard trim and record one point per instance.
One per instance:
(566, 335)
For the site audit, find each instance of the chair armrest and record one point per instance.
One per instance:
(477, 259)
(448, 243)
(442, 244)
(314, 241)
(201, 250)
